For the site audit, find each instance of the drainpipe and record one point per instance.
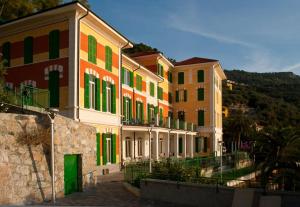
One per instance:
(121, 102)
(78, 62)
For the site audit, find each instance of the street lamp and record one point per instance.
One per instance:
(221, 158)
(150, 131)
(52, 112)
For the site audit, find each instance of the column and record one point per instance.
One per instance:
(156, 143)
(184, 145)
(168, 144)
(176, 145)
(192, 146)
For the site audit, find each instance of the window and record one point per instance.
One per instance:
(200, 117)
(128, 147)
(200, 94)
(170, 97)
(98, 148)
(92, 91)
(139, 82)
(181, 95)
(54, 44)
(127, 77)
(108, 97)
(151, 113)
(127, 109)
(197, 144)
(28, 50)
(151, 89)
(161, 145)
(205, 144)
(92, 49)
(108, 148)
(180, 145)
(159, 93)
(140, 147)
(181, 115)
(139, 111)
(160, 70)
(200, 76)
(181, 78)
(170, 77)
(6, 53)
(108, 58)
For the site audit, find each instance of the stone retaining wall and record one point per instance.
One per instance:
(25, 168)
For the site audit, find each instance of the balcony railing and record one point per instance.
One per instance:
(165, 122)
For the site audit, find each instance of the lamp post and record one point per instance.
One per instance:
(221, 159)
(150, 131)
(52, 112)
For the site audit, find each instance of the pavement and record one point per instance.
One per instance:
(108, 192)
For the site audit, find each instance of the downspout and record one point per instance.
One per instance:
(78, 63)
(121, 103)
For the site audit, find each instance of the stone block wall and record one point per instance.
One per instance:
(25, 168)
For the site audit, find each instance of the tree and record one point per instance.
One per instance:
(277, 152)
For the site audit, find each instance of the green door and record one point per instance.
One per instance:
(54, 88)
(71, 174)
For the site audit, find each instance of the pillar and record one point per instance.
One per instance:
(192, 146)
(156, 143)
(176, 145)
(184, 145)
(168, 144)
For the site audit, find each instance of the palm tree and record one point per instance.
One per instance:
(277, 153)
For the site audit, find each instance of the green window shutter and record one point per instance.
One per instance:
(200, 76)
(155, 110)
(6, 53)
(161, 114)
(139, 82)
(136, 111)
(98, 148)
(114, 148)
(123, 75)
(124, 108)
(86, 90)
(28, 50)
(130, 109)
(142, 112)
(113, 98)
(185, 95)
(54, 88)
(177, 96)
(162, 71)
(181, 78)
(151, 89)
(104, 95)
(104, 149)
(180, 145)
(92, 49)
(108, 58)
(161, 93)
(97, 94)
(148, 112)
(200, 94)
(131, 78)
(196, 144)
(54, 44)
(171, 77)
(201, 118)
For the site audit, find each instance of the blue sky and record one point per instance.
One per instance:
(256, 35)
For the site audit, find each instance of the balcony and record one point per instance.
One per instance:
(166, 122)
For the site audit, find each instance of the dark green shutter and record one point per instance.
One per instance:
(162, 71)
(200, 94)
(131, 78)
(142, 112)
(177, 96)
(54, 44)
(104, 149)
(185, 95)
(148, 113)
(155, 110)
(130, 109)
(97, 93)
(151, 89)
(92, 49)
(54, 88)
(113, 98)
(124, 109)
(160, 114)
(137, 111)
(86, 90)
(108, 58)
(103, 95)
(6, 53)
(205, 144)
(200, 76)
(201, 118)
(181, 78)
(98, 148)
(180, 145)
(113, 148)
(28, 50)
(123, 75)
